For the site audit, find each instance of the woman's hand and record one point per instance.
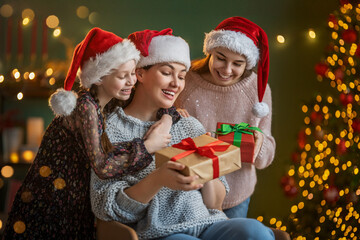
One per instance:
(183, 112)
(213, 194)
(168, 175)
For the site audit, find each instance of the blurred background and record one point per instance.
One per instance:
(37, 39)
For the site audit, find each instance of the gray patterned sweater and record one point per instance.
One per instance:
(169, 211)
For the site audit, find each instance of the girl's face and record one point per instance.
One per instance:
(226, 67)
(120, 82)
(162, 83)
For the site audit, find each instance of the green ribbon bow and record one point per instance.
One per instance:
(238, 130)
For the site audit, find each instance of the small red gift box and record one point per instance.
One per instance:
(232, 135)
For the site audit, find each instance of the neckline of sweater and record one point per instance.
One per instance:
(245, 83)
(122, 115)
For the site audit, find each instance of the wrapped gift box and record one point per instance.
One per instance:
(244, 139)
(225, 159)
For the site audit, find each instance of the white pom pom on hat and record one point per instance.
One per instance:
(242, 36)
(96, 56)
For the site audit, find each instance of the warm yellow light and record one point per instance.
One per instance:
(17, 75)
(82, 12)
(280, 38)
(304, 108)
(31, 76)
(28, 155)
(294, 209)
(26, 75)
(291, 172)
(7, 171)
(272, 221)
(25, 21)
(49, 71)
(28, 13)
(1, 224)
(2, 78)
(52, 21)
(312, 34)
(6, 10)
(52, 81)
(14, 157)
(94, 18)
(260, 218)
(20, 96)
(57, 32)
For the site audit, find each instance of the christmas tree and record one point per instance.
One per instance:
(324, 178)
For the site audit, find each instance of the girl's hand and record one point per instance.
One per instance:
(183, 112)
(259, 139)
(165, 122)
(168, 176)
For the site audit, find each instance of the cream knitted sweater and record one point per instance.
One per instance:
(210, 104)
(169, 211)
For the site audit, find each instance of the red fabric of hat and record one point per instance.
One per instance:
(142, 39)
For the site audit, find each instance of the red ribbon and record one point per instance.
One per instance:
(207, 151)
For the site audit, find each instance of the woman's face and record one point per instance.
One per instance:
(162, 83)
(226, 67)
(120, 82)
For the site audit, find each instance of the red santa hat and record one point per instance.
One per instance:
(160, 46)
(242, 36)
(96, 56)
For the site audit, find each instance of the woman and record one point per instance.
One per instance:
(223, 87)
(162, 203)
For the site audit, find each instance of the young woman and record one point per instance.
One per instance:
(53, 201)
(162, 203)
(222, 87)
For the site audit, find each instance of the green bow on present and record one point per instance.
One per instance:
(238, 130)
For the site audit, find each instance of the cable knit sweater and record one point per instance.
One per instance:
(169, 211)
(210, 104)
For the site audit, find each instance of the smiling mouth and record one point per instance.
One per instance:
(127, 91)
(170, 93)
(225, 77)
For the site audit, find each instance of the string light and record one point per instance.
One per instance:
(312, 34)
(280, 38)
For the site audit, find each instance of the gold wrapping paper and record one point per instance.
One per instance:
(229, 160)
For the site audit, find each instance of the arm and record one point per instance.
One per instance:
(127, 200)
(127, 157)
(267, 150)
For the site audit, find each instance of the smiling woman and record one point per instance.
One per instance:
(162, 203)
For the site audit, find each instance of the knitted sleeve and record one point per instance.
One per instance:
(126, 158)
(110, 203)
(226, 185)
(171, 111)
(267, 150)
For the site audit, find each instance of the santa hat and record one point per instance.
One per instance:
(244, 37)
(160, 46)
(96, 56)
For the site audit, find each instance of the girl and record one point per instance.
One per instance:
(162, 203)
(53, 201)
(222, 88)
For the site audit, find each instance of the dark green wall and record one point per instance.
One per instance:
(292, 78)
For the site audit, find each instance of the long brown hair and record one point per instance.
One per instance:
(104, 139)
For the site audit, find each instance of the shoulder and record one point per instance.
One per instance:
(188, 127)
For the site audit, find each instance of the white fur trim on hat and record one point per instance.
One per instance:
(167, 48)
(95, 68)
(63, 102)
(234, 41)
(260, 109)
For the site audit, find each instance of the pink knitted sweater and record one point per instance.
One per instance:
(210, 104)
